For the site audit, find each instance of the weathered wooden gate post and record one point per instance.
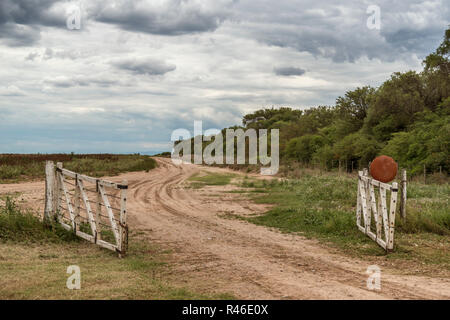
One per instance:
(98, 211)
(49, 211)
(58, 187)
(403, 195)
(123, 219)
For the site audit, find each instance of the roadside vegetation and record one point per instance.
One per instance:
(17, 167)
(34, 260)
(322, 205)
(20, 225)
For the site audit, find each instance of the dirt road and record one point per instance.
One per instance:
(216, 254)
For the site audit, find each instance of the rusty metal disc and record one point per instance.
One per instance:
(384, 169)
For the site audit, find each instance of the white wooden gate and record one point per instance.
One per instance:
(372, 202)
(93, 209)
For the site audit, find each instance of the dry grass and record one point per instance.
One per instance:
(38, 271)
(34, 259)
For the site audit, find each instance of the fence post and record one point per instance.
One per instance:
(98, 211)
(49, 191)
(123, 219)
(58, 188)
(403, 195)
(358, 201)
(368, 197)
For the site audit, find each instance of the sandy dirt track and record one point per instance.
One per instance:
(215, 254)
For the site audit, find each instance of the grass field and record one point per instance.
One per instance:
(322, 206)
(34, 261)
(199, 181)
(16, 167)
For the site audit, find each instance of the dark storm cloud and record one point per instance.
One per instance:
(332, 29)
(414, 40)
(149, 67)
(20, 20)
(338, 30)
(288, 71)
(173, 17)
(27, 12)
(15, 35)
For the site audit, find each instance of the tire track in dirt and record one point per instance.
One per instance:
(215, 254)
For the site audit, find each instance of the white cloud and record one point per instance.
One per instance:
(11, 91)
(203, 60)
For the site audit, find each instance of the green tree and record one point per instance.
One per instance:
(358, 147)
(303, 148)
(437, 73)
(394, 105)
(426, 143)
(352, 110)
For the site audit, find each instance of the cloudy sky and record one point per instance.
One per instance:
(138, 69)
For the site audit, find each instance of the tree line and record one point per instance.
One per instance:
(407, 118)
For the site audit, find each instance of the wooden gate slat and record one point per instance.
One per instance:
(392, 208)
(68, 200)
(358, 205)
(88, 207)
(385, 213)
(364, 204)
(110, 214)
(373, 202)
(379, 218)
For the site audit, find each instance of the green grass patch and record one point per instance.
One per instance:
(427, 209)
(211, 179)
